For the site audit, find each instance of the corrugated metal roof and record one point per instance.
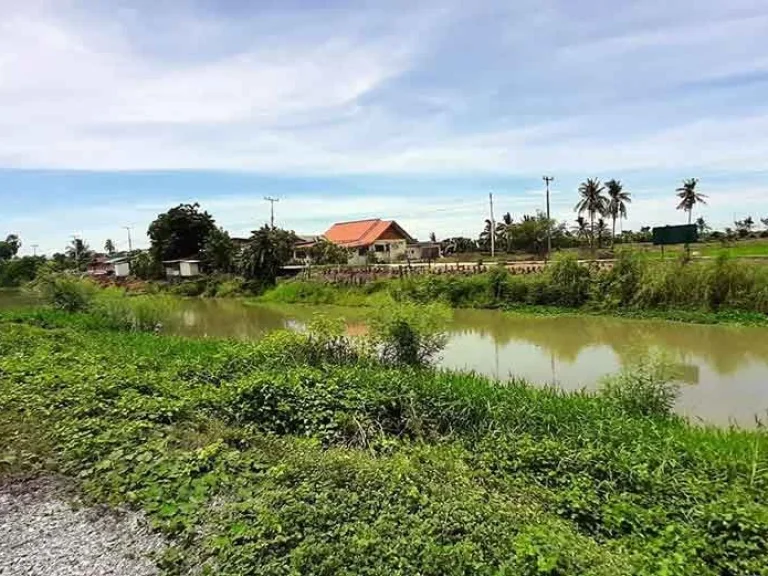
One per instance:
(361, 232)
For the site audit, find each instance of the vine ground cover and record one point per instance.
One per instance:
(274, 458)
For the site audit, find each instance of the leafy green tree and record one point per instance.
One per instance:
(617, 203)
(432, 237)
(593, 202)
(689, 197)
(218, 253)
(702, 226)
(268, 250)
(10, 247)
(109, 246)
(458, 245)
(325, 252)
(18, 271)
(144, 266)
(530, 233)
(764, 221)
(180, 233)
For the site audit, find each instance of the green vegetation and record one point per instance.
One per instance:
(298, 455)
(634, 286)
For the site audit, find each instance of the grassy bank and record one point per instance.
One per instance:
(720, 290)
(286, 457)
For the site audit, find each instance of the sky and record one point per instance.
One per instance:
(112, 112)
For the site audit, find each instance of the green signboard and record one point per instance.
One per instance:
(685, 234)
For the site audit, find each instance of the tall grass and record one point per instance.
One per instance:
(134, 313)
(634, 283)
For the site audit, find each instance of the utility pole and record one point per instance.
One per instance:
(271, 209)
(548, 179)
(34, 249)
(493, 227)
(130, 245)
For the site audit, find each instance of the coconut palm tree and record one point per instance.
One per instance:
(593, 203)
(617, 203)
(109, 246)
(581, 230)
(602, 231)
(502, 231)
(79, 252)
(485, 235)
(689, 197)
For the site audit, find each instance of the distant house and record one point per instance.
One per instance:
(239, 243)
(424, 251)
(99, 265)
(182, 268)
(303, 245)
(385, 239)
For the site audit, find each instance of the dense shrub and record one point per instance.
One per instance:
(66, 291)
(409, 334)
(645, 388)
(255, 462)
(633, 283)
(568, 282)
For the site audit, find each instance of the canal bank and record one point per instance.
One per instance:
(723, 368)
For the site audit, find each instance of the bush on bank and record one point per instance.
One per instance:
(634, 283)
(286, 457)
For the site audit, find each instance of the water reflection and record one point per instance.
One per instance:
(725, 367)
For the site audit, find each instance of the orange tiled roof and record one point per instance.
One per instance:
(360, 232)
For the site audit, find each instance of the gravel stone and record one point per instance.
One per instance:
(44, 532)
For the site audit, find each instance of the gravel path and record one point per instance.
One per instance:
(41, 534)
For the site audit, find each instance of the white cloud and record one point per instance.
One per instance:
(444, 89)
(78, 94)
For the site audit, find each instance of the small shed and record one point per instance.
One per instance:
(182, 268)
(423, 251)
(121, 266)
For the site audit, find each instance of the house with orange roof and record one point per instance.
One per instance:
(385, 239)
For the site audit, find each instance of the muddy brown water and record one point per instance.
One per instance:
(724, 368)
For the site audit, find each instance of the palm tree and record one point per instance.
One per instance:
(502, 231)
(79, 252)
(602, 229)
(109, 246)
(581, 229)
(689, 197)
(592, 202)
(617, 203)
(485, 235)
(432, 237)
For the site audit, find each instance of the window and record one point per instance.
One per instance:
(362, 251)
(379, 248)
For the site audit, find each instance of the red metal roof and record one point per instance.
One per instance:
(362, 232)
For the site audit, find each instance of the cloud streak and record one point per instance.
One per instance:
(432, 96)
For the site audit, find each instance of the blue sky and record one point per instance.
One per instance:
(112, 112)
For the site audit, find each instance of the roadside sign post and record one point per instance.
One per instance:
(685, 234)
